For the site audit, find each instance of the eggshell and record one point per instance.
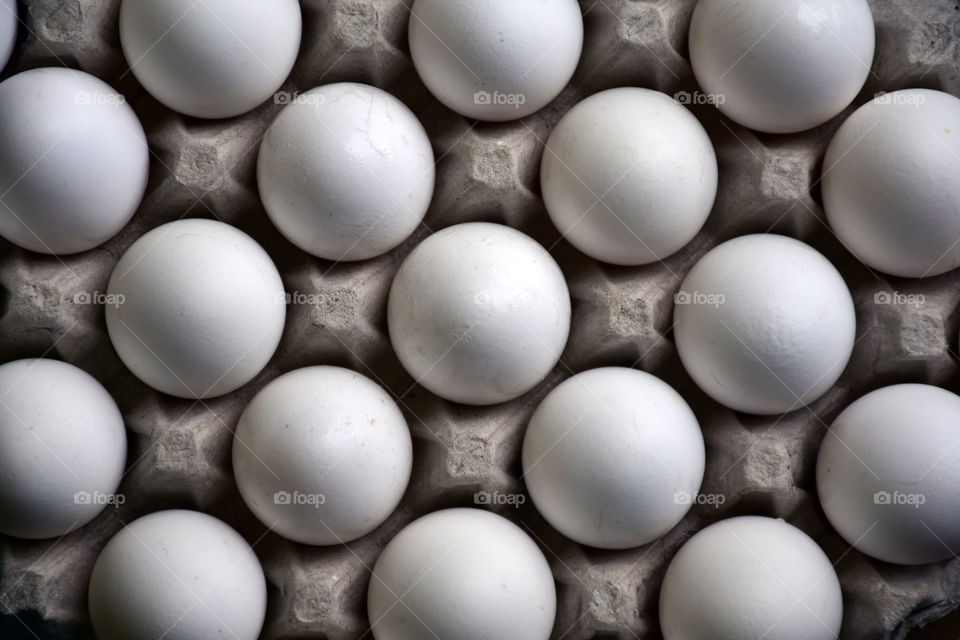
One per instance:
(629, 176)
(495, 60)
(750, 577)
(8, 30)
(465, 574)
(889, 183)
(322, 455)
(781, 66)
(62, 448)
(177, 575)
(200, 308)
(612, 458)
(888, 473)
(210, 59)
(764, 324)
(479, 313)
(73, 161)
(346, 172)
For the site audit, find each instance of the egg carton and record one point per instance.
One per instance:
(179, 451)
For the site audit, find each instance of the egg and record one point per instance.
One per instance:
(322, 455)
(210, 59)
(613, 458)
(764, 324)
(494, 60)
(750, 577)
(73, 161)
(346, 172)
(465, 574)
(888, 471)
(63, 448)
(781, 66)
(479, 313)
(177, 575)
(629, 176)
(889, 183)
(8, 30)
(199, 308)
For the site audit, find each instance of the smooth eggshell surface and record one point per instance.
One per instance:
(479, 313)
(781, 66)
(177, 575)
(495, 60)
(465, 574)
(890, 188)
(629, 176)
(888, 473)
(210, 59)
(199, 308)
(63, 448)
(346, 172)
(322, 455)
(613, 457)
(73, 160)
(8, 30)
(764, 324)
(750, 577)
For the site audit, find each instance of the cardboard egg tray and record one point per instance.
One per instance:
(179, 453)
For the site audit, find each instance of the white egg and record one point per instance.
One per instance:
(613, 457)
(495, 60)
(198, 308)
(479, 313)
(889, 183)
(73, 161)
(63, 448)
(177, 575)
(322, 455)
(210, 59)
(750, 577)
(888, 473)
(629, 176)
(764, 324)
(346, 172)
(462, 573)
(8, 30)
(781, 66)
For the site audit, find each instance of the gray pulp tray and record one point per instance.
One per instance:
(180, 449)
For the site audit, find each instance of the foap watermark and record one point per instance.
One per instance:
(97, 297)
(496, 98)
(699, 297)
(96, 497)
(899, 97)
(496, 498)
(698, 98)
(295, 97)
(895, 297)
(710, 499)
(501, 299)
(298, 498)
(299, 297)
(98, 97)
(898, 498)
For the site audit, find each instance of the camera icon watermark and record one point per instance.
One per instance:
(699, 98)
(500, 299)
(297, 498)
(496, 98)
(295, 97)
(97, 97)
(899, 97)
(897, 498)
(699, 297)
(516, 500)
(299, 297)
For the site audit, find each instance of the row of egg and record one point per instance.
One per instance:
(612, 458)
